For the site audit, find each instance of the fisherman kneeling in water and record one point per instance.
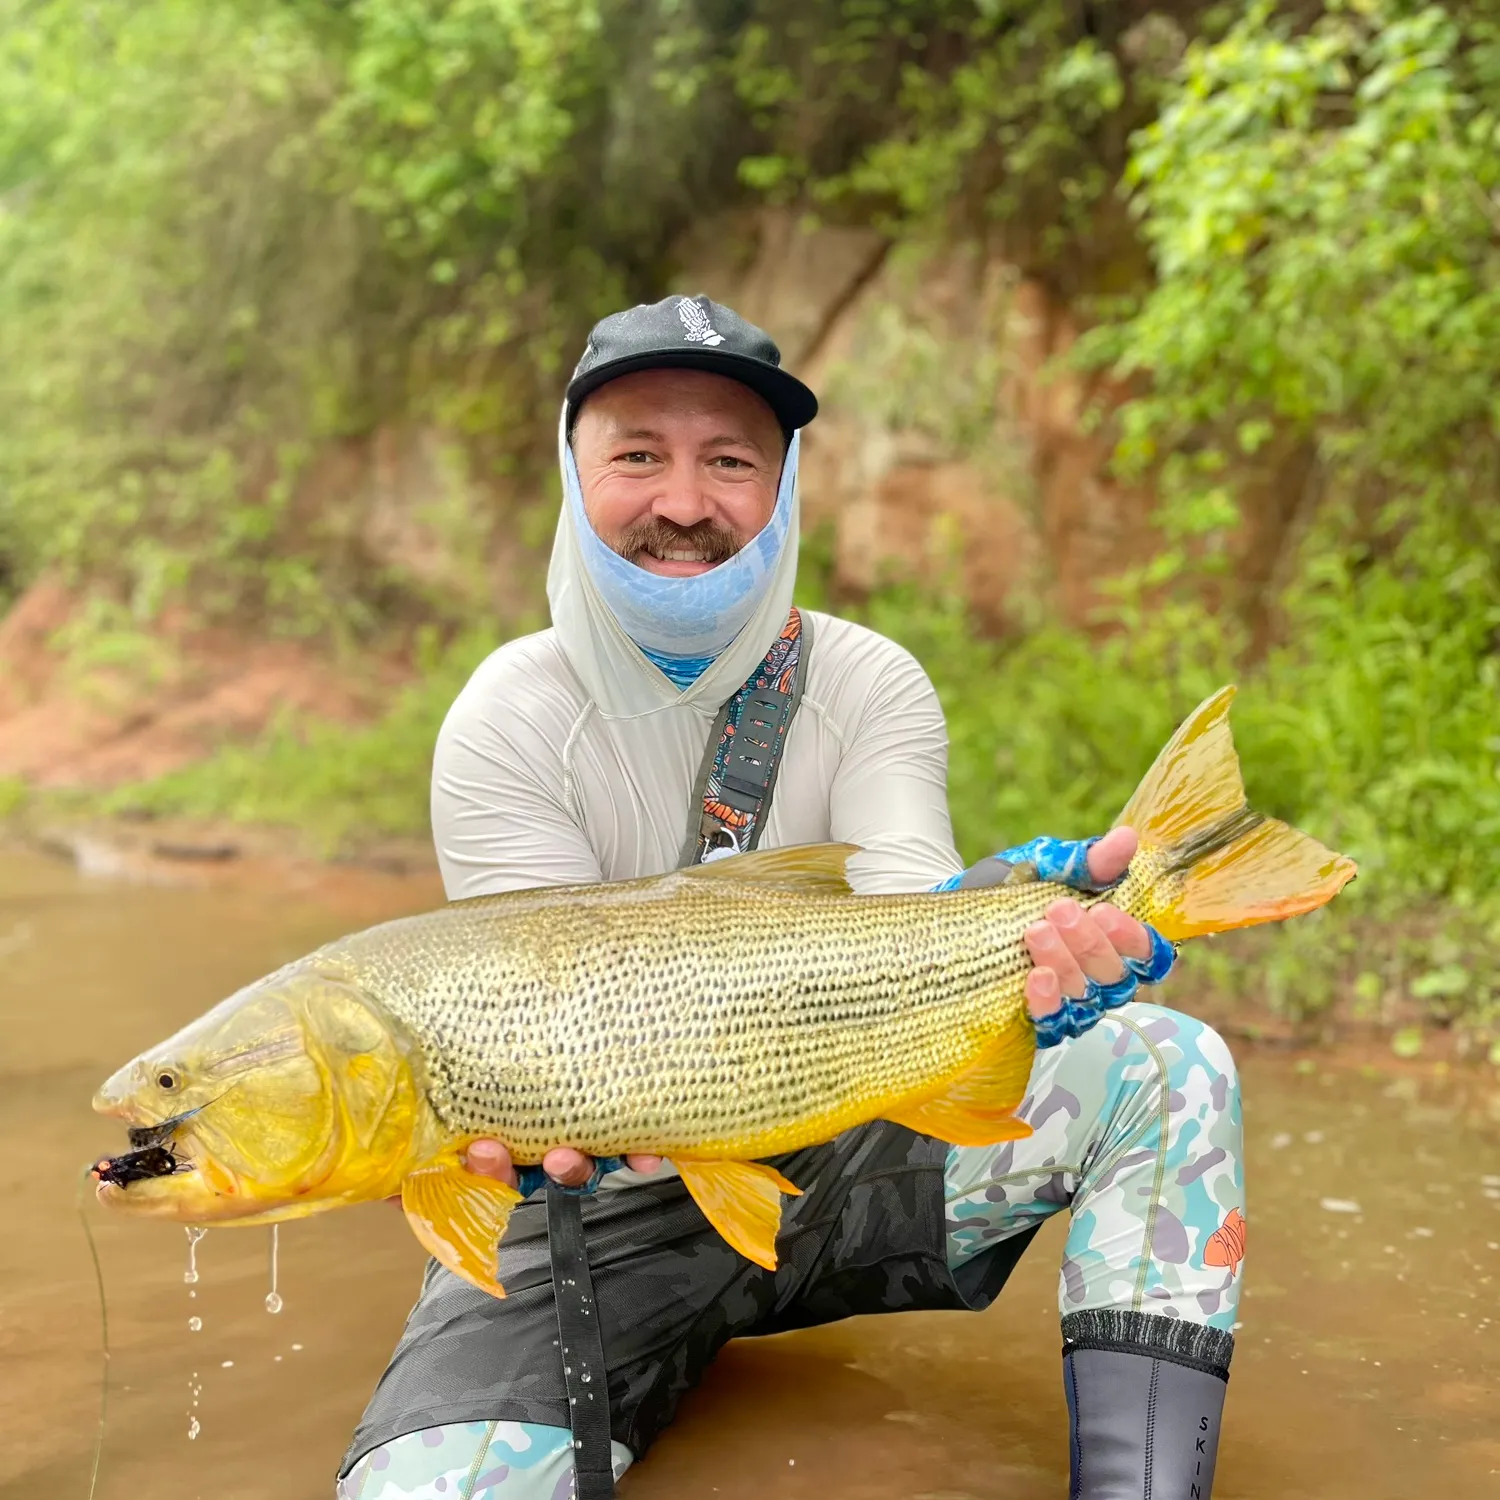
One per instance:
(680, 709)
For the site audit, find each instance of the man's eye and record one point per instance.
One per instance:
(638, 457)
(729, 461)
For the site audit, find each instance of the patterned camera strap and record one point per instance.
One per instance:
(738, 776)
(732, 795)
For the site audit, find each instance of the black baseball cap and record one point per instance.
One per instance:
(690, 333)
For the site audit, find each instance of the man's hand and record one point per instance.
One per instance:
(562, 1164)
(1073, 942)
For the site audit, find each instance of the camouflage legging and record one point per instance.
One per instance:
(1137, 1130)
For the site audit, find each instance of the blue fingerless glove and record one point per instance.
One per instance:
(1065, 862)
(1059, 861)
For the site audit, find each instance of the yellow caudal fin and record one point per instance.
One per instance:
(978, 1107)
(1221, 864)
(459, 1217)
(742, 1200)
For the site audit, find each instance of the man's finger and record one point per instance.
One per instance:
(1086, 942)
(1125, 934)
(488, 1158)
(1043, 993)
(569, 1167)
(1048, 951)
(1109, 858)
(640, 1163)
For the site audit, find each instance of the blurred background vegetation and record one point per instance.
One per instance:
(235, 232)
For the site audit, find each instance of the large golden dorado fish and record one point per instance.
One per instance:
(712, 1015)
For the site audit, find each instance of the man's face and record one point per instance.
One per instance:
(679, 468)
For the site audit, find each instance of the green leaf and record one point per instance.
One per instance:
(1407, 1042)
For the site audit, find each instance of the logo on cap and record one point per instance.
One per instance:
(695, 321)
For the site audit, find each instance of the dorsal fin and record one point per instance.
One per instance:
(802, 867)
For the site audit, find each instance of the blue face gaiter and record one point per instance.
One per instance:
(682, 624)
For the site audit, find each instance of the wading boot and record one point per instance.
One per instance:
(1145, 1395)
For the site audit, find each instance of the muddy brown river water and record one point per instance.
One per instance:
(1368, 1362)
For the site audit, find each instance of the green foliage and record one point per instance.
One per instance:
(1376, 729)
(1319, 202)
(233, 232)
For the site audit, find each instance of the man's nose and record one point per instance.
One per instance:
(682, 497)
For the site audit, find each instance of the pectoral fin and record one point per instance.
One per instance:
(978, 1107)
(742, 1200)
(459, 1217)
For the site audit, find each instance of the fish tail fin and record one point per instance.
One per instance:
(1221, 865)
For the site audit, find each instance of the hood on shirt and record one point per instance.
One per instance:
(605, 609)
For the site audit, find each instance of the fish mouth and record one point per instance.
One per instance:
(152, 1155)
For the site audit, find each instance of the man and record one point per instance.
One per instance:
(605, 749)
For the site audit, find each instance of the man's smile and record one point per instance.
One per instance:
(671, 551)
(674, 562)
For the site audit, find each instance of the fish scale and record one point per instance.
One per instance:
(678, 1013)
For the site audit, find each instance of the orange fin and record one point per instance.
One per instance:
(459, 1217)
(742, 1200)
(1226, 866)
(1266, 875)
(978, 1107)
(946, 1121)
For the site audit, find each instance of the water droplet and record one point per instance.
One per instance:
(227, 1365)
(193, 1428)
(194, 1234)
(276, 1359)
(194, 1324)
(585, 1377)
(273, 1297)
(296, 1348)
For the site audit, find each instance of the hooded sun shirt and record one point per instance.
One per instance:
(625, 629)
(571, 757)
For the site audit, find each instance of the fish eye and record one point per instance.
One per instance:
(167, 1080)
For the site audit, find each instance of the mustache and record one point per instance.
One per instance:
(658, 536)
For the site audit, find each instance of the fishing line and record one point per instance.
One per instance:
(88, 1234)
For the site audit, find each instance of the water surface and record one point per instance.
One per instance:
(1367, 1363)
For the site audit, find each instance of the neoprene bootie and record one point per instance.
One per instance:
(1145, 1395)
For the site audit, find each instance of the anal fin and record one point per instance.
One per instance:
(944, 1120)
(742, 1200)
(459, 1217)
(978, 1107)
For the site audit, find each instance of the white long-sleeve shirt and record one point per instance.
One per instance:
(533, 785)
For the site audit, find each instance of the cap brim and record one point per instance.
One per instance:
(794, 404)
